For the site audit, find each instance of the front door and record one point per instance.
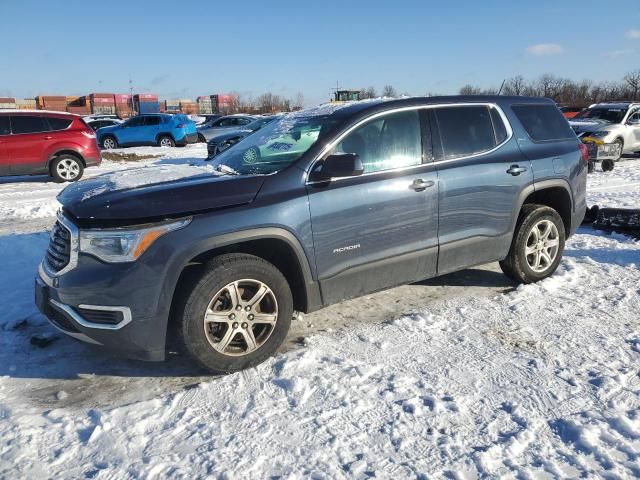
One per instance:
(633, 124)
(481, 175)
(28, 143)
(379, 229)
(130, 132)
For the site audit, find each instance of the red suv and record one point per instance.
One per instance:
(36, 142)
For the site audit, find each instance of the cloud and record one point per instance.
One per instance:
(633, 34)
(545, 49)
(620, 53)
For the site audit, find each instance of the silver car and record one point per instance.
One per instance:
(616, 123)
(223, 125)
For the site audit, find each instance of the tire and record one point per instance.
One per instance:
(109, 142)
(66, 168)
(251, 155)
(607, 165)
(201, 138)
(221, 344)
(620, 142)
(591, 166)
(518, 265)
(166, 141)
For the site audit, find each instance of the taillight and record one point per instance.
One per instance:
(585, 153)
(88, 134)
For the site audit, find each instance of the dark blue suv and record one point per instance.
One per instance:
(316, 207)
(163, 130)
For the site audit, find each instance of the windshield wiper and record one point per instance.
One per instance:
(226, 169)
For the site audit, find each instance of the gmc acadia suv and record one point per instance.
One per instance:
(316, 207)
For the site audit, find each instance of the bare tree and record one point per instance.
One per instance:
(299, 101)
(515, 86)
(370, 93)
(633, 80)
(470, 90)
(389, 91)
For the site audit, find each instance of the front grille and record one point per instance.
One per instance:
(59, 251)
(107, 317)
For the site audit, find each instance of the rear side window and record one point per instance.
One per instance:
(543, 123)
(59, 123)
(5, 125)
(150, 121)
(28, 124)
(465, 130)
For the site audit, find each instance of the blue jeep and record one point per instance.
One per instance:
(162, 130)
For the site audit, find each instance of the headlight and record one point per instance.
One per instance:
(124, 244)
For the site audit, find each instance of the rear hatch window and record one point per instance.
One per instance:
(543, 123)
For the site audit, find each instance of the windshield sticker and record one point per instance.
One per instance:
(282, 146)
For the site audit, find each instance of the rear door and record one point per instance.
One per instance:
(151, 128)
(28, 144)
(379, 229)
(481, 173)
(5, 131)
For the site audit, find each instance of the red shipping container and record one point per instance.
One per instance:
(122, 98)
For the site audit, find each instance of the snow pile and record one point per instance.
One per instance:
(544, 380)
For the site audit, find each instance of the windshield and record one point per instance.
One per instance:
(258, 124)
(275, 146)
(612, 115)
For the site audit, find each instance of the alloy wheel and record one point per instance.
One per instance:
(165, 142)
(241, 317)
(68, 169)
(542, 246)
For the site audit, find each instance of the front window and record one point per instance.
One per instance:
(275, 146)
(611, 115)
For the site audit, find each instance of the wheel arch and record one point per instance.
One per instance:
(67, 151)
(165, 134)
(275, 245)
(555, 194)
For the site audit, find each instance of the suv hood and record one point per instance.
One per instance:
(589, 125)
(155, 192)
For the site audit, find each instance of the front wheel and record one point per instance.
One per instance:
(618, 141)
(236, 314)
(537, 245)
(66, 168)
(201, 138)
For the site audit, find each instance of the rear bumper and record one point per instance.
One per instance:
(189, 138)
(93, 160)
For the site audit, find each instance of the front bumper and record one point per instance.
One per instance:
(109, 305)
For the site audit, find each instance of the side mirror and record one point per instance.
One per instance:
(337, 165)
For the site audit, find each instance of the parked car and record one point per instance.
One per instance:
(161, 129)
(100, 116)
(570, 112)
(104, 122)
(61, 145)
(219, 143)
(611, 123)
(316, 207)
(222, 125)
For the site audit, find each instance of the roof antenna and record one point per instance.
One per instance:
(500, 91)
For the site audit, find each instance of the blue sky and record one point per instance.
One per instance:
(190, 48)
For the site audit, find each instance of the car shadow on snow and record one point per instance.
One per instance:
(26, 179)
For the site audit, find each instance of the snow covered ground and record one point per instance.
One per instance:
(466, 376)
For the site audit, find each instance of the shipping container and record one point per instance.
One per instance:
(145, 97)
(7, 100)
(122, 98)
(148, 107)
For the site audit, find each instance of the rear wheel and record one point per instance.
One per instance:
(607, 165)
(66, 168)
(166, 141)
(236, 314)
(109, 142)
(537, 245)
(201, 138)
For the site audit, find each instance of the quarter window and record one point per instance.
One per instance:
(28, 124)
(543, 122)
(465, 130)
(391, 141)
(59, 123)
(498, 126)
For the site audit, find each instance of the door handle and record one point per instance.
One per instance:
(516, 170)
(48, 137)
(419, 184)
